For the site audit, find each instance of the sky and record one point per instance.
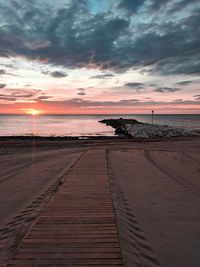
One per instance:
(100, 56)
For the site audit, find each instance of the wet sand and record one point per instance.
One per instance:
(155, 188)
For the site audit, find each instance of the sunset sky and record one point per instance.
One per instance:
(100, 56)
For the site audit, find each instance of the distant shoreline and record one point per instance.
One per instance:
(41, 142)
(104, 114)
(60, 138)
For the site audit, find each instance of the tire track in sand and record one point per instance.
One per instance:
(135, 248)
(20, 166)
(188, 186)
(12, 233)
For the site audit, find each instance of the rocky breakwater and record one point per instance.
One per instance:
(139, 130)
(120, 124)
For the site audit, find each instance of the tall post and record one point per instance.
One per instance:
(152, 116)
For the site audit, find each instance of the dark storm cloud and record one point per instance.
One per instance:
(173, 6)
(130, 6)
(180, 65)
(182, 4)
(102, 76)
(73, 37)
(172, 52)
(157, 4)
(2, 85)
(184, 83)
(166, 90)
(70, 43)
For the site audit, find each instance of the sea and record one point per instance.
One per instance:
(84, 125)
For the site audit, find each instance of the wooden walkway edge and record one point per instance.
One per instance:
(77, 227)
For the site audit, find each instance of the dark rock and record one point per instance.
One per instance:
(116, 123)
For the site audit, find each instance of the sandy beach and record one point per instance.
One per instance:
(155, 188)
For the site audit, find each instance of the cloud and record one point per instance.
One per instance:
(166, 90)
(102, 76)
(7, 98)
(134, 85)
(158, 4)
(2, 85)
(129, 101)
(2, 72)
(10, 66)
(16, 94)
(55, 74)
(81, 93)
(197, 97)
(34, 45)
(24, 92)
(182, 4)
(178, 100)
(58, 74)
(183, 66)
(42, 97)
(79, 103)
(130, 6)
(184, 83)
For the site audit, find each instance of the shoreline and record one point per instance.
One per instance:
(92, 138)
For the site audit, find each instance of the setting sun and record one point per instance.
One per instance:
(33, 112)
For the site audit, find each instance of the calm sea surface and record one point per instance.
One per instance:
(82, 125)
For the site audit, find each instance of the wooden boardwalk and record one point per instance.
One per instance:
(77, 227)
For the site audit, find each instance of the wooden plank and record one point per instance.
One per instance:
(68, 249)
(60, 261)
(67, 255)
(45, 244)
